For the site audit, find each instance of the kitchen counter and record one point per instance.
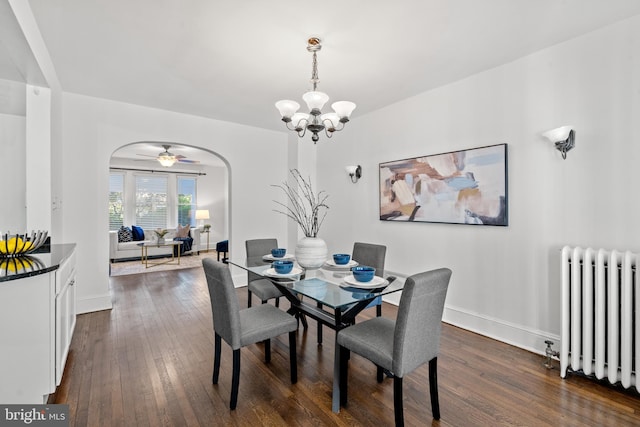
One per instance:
(36, 263)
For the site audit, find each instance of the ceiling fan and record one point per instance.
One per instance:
(167, 159)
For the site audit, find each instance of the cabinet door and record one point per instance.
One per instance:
(26, 340)
(65, 324)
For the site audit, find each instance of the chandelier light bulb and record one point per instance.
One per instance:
(315, 100)
(343, 108)
(287, 108)
(332, 119)
(299, 120)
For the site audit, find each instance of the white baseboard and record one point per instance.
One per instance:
(529, 339)
(96, 303)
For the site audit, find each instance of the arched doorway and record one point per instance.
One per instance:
(197, 172)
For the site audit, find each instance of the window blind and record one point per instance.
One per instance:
(187, 201)
(116, 200)
(151, 201)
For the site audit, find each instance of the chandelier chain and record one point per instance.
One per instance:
(314, 71)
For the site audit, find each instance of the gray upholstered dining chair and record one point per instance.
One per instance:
(261, 287)
(371, 255)
(402, 345)
(242, 327)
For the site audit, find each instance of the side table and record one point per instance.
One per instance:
(208, 233)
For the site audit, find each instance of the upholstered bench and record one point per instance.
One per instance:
(222, 247)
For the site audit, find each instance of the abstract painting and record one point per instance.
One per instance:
(460, 187)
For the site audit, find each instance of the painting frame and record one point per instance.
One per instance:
(468, 186)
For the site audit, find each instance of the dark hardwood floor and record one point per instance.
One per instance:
(148, 362)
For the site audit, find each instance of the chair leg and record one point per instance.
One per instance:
(293, 361)
(379, 374)
(397, 401)
(249, 299)
(433, 388)
(301, 318)
(278, 302)
(379, 310)
(344, 374)
(319, 330)
(216, 358)
(267, 351)
(235, 379)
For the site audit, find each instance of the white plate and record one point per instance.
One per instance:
(331, 263)
(376, 282)
(269, 257)
(293, 273)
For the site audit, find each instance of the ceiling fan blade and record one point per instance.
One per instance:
(145, 155)
(185, 160)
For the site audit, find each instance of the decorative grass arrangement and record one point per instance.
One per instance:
(305, 207)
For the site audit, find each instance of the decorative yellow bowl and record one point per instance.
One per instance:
(15, 265)
(21, 244)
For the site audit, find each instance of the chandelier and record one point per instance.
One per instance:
(315, 121)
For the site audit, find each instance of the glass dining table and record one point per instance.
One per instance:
(336, 299)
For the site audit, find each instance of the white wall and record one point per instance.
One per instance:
(13, 214)
(38, 155)
(213, 195)
(505, 280)
(93, 128)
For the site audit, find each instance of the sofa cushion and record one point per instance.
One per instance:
(138, 233)
(182, 232)
(125, 234)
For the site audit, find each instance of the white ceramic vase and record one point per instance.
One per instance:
(311, 252)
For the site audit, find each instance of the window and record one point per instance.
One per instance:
(158, 200)
(116, 200)
(151, 201)
(187, 201)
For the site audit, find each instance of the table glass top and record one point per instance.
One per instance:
(324, 286)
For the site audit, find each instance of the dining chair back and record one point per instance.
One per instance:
(261, 287)
(372, 255)
(242, 327)
(401, 346)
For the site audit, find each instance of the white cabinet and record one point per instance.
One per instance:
(26, 354)
(37, 318)
(65, 313)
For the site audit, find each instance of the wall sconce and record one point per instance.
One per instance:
(563, 137)
(355, 172)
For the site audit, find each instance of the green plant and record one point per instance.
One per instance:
(161, 232)
(305, 207)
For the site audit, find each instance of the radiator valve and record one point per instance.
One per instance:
(549, 352)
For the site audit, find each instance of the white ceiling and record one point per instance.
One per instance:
(231, 60)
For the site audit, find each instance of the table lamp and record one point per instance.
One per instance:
(201, 215)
